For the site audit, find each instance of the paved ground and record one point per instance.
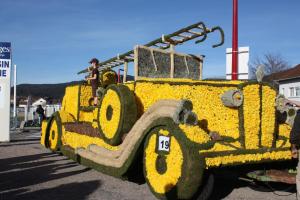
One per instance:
(30, 172)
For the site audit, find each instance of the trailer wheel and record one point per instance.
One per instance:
(172, 169)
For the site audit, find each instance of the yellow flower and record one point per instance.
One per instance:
(284, 135)
(66, 117)
(195, 133)
(251, 116)
(224, 147)
(43, 132)
(205, 98)
(268, 116)
(86, 116)
(231, 159)
(76, 140)
(85, 95)
(70, 100)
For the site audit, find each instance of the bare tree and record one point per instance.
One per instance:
(272, 63)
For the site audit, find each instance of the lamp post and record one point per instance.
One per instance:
(15, 92)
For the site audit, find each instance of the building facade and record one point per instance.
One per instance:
(290, 88)
(288, 82)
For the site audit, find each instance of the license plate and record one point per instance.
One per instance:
(164, 143)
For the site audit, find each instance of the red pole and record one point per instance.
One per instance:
(235, 41)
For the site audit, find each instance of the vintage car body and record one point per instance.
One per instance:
(182, 127)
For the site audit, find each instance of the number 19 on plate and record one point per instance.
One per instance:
(164, 143)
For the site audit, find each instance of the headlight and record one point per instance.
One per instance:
(232, 98)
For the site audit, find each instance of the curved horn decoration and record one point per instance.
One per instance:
(218, 28)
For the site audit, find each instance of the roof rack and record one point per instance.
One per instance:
(166, 41)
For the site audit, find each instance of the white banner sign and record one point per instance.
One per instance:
(2, 96)
(243, 63)
(5, 68)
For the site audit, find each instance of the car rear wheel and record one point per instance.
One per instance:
(53, 133)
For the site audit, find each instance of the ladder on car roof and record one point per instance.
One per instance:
(166, 41)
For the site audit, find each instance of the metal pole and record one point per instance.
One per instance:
(172, 50)
(234, 75)
(26, 113)
(125, 72)
(15, 91)
(201, 67)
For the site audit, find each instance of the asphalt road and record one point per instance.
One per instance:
(28, 171)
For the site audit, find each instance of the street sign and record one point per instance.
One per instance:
(5, 68)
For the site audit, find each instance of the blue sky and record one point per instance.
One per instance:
(52, 40)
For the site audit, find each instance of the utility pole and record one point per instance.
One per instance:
(235, 60)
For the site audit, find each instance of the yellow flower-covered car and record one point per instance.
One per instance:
(169, 120)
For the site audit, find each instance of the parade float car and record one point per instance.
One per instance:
(169, 120)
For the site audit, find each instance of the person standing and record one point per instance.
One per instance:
(41, 112)
(295, 142)
(94, 78)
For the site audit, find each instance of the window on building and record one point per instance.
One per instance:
(282, 91)
(298, 91)
(292, 91)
